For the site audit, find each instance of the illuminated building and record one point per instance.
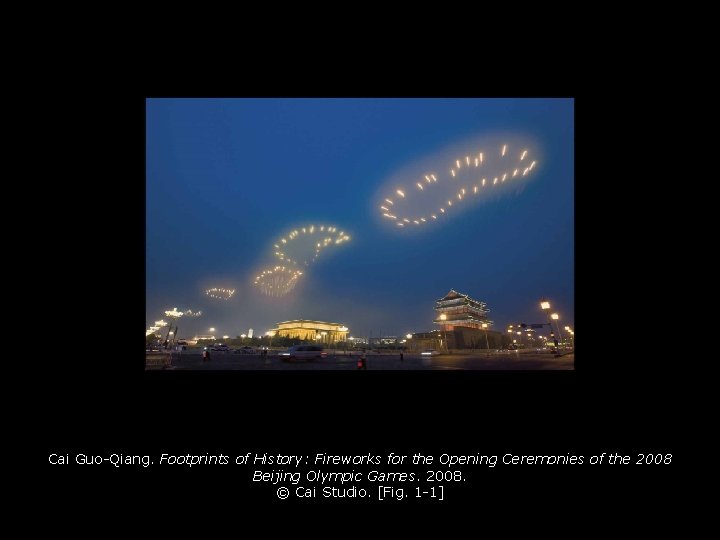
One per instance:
(460, 319)
(460, 310)
(386, 340)
(314, 331)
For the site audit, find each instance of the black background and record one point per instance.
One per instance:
(96, 398)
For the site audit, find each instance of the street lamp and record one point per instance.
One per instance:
(270, 335)
(556, 317)
(212, 329)
(545, 305)
(487, 346)
(443, 317)
(571, 334)
(408, 336)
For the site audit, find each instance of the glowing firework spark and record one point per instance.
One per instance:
(299, 248)
(468, 177)
(278, 280)
(220, 294)
(303, 246)
(174, 313)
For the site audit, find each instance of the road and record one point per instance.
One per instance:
(508, 360)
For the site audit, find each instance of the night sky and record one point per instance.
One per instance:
(227, 178)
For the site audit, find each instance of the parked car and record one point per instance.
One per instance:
(303, 352)
(220, 347)
(430, 352)
(245, 350)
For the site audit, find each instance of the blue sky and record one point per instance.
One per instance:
(226, 178)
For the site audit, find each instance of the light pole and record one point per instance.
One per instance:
(556, 317)
(545, 305)
(571, 334)
(511, 331)
(270, 335)
(443, 317)
(487, 345)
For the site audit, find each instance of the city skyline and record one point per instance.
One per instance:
(227, 178)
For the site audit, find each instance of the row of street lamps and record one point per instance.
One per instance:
(270, 334)
(544, 305)
(571, 332)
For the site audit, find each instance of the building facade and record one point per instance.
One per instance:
(458, 338)
(314, 331)
(459, 310)
(382, 341)
(197, 338)
(460, 320)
